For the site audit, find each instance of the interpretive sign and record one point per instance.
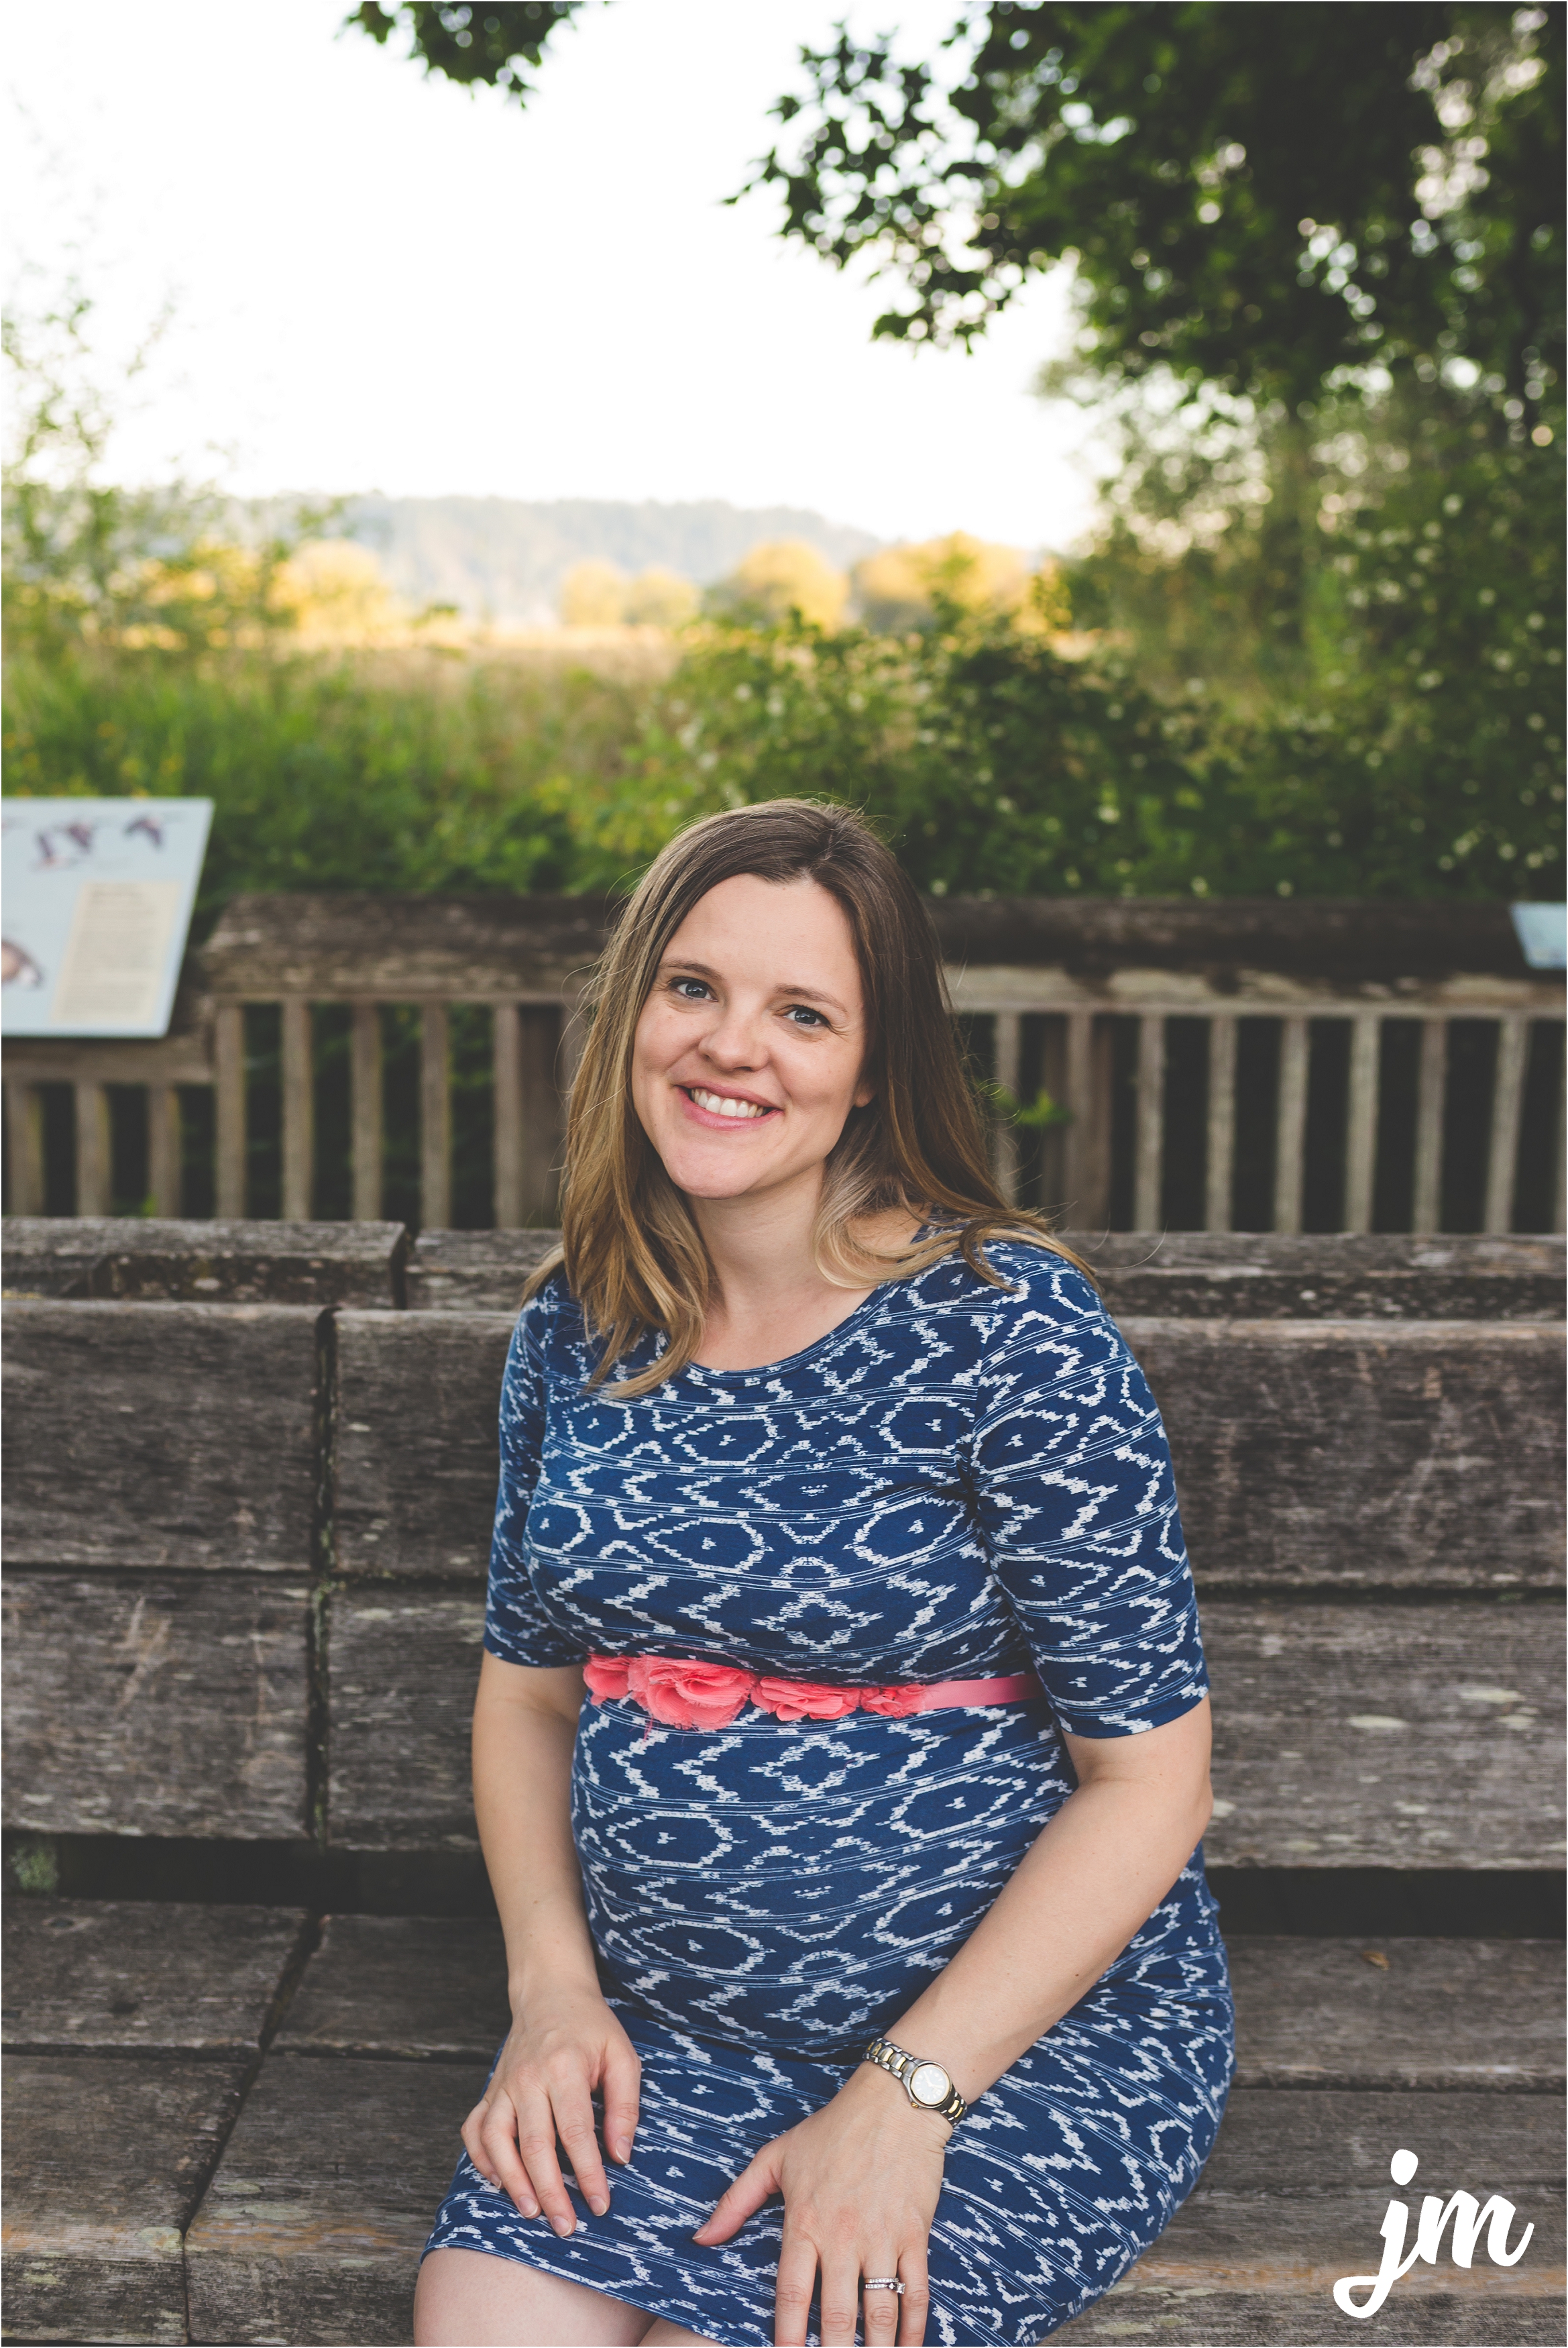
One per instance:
(98, 901)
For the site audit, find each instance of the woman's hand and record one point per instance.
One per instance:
(568, 2044)
(860, 2181)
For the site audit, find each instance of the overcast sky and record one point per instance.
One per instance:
(381, 281)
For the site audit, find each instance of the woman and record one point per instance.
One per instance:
(857, 1922)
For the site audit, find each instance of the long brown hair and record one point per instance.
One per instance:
(633, 1254)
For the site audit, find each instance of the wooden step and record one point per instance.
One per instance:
(1293, 2197)
(107, 1976)
(1309, 1454)
(312, 2227)
(201, 1263)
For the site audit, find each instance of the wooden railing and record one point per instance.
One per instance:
(1210, 1068)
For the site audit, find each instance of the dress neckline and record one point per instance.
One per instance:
(793, 1361)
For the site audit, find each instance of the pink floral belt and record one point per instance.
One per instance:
(710, 1695)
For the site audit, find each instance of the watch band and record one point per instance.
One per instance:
(902, 2066)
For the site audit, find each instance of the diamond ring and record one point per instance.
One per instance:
(882, 2282)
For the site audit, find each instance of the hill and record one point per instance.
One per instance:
(503, 559)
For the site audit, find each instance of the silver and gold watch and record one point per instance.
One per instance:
(926, 2084)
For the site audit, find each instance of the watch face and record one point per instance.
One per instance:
(929, 2084)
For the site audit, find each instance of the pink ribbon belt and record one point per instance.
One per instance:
(712, 1696)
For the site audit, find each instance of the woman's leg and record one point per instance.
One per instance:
(471, 2299)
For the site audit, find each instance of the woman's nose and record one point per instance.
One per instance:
(736, 1038)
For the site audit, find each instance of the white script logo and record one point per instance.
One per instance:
(1468, 2216)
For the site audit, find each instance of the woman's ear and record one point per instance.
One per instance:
(864, 1095)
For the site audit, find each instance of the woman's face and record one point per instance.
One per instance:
(748, 1053)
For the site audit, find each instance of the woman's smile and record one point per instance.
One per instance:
(727, 1108)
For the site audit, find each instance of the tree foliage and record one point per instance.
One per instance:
(472, 45)
(1256, 197)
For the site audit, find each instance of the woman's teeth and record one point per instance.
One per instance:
(720, 1103)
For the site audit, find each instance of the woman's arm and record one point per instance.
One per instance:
(861, 2176)
(564, 2042)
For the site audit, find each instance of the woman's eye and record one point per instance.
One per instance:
(804, 1017)
(689, 990)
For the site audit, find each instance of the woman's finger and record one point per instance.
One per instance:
(536, 2145)
(840, 2295)
(793, 2292)
(497, 2158)
(623, 2085)
(736, 2204)
(879, 2309)
(916, 2304)
(574, 2127)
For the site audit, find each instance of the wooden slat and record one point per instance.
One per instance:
(417, 1986)
(416, 1445)
(313, 2225)
(1363, 1454)
(229, 1067)
(1290, 1125)
(544, 1122)
(111, 1975)
(105, 2156)
(1416, 1735)
(366, 1111)
(95, 1182)
(1008, 1053)
(1361, 1122)
(24, 1147)
(145, 1258)
(1149, 1141)
(1293, 2197)
(404, 1665)
(435, 1116)
(1560, 1183)
(1426, 1210)
(160, 1436)
(1397, 2013)
(164, 1171)
(139, 1703)
(299, 1090)
(508, 1093)
(1219, 1163)
(1507, 1102)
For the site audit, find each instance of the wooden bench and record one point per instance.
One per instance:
(246, 1555)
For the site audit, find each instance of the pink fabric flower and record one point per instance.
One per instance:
(800, 1700)
(690, 1696)
(895, 1702)
(606, 1675)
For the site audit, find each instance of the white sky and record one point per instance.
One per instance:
(382, 282)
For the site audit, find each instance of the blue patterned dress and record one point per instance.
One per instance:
(959, 1481)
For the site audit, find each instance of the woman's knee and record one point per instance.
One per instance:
(471, 2299)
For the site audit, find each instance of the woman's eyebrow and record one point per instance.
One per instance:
(799, 994)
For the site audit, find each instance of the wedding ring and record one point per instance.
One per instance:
(882, 2282)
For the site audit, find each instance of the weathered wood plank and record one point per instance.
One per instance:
(24, 1146)
(435, 1114)
(1282, 1276)
(105, 2156)
(403, 1986)
(366, 1113)
(1432, 1095)
(1507, 1104)
(94, 1150)
(299, 1104)
(312, 2227)
(165, 1171)
(1293, 2197)
(476, 1271)
(1422, 1735)
(1219, 1162)
(1306, 1453)
(160, 1435)
(134, 1259)
(1344, 1453)
(415, 1440)
(404, 1665)
(1290, 1124)
(229, 1075)
(1388, 2014)
(1466, 1776)
(1361, 1123)
(1148, 1133)
(140, 1703)
(136, 1975)
(1181, 1275)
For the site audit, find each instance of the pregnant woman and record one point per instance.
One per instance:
(865, 1978)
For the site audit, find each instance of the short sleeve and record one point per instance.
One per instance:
(516, 1628)
(1077, 1504)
